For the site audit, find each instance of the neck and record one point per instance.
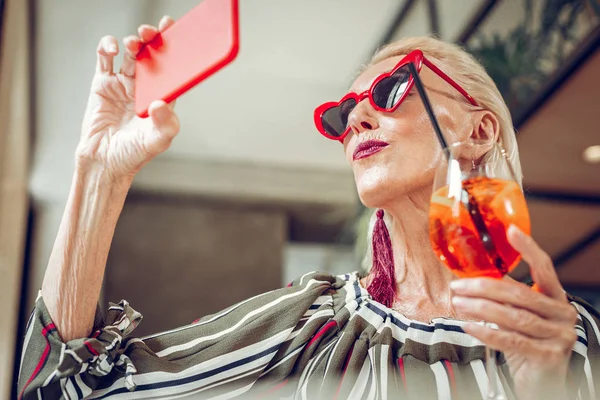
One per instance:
(422, 282)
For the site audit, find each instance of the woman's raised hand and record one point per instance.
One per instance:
(113, 138)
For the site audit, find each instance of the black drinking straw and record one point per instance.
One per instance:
(427, 104)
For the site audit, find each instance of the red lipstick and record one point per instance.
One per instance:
(368, 148)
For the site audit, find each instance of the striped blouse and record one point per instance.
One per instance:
(322, 337)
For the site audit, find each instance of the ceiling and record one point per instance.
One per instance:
(553, 140)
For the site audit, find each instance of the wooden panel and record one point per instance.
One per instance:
(553, 140)
(551, 145)
(14, 149)
(556, 226)
(583, 269)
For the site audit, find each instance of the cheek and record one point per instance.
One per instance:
(414, 132)
(453, 122)
(411, 133)
(408, 122)
(417, 151)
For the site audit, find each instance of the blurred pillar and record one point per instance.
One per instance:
(14, 156)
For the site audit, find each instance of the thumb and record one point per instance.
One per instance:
(164, 119)
(541, 267)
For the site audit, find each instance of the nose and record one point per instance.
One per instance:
(362, 118)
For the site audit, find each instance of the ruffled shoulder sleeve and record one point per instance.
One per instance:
(228, 351)
(46, 359)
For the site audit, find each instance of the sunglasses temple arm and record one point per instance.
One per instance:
(427, 104)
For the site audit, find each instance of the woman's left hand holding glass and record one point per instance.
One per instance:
(536, 327)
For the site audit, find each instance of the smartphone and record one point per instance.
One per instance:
(196, 46)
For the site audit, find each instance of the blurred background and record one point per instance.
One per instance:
(250, 196)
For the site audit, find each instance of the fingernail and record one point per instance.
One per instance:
(458, 301)
(458, 284)
(112, 48)
(161, 111)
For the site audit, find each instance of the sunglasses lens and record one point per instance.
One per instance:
(388, 92)
(335, 119)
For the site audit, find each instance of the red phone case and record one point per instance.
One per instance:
(196, 46)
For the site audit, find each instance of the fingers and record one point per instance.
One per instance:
(508, 318)
(147, 32)
(107, 49)
(542, 269)
(548, 352)
(133, 44)
(165, 120)
(165, 23)
(132, 47)
(515, 294)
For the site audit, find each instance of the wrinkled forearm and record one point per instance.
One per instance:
(73, 278)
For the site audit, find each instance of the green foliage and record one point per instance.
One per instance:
(521, 61)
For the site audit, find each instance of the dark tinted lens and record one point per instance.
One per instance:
(388, 91)
(335, 119)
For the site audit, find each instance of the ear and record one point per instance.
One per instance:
(486, 126)
(485, 130)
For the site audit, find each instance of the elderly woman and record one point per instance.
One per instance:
(322, 336)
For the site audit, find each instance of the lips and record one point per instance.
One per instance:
(368, 148)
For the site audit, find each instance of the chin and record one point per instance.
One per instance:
(378, 187)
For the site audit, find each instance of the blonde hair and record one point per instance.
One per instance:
(471, 76)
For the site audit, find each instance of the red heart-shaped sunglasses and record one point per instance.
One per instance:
(386, 93)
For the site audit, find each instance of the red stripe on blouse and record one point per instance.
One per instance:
(90, 348)
(451, 376)
(326, 328)
(402, 372)
(45, 332)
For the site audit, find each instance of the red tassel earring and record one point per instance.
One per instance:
(383, 286)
